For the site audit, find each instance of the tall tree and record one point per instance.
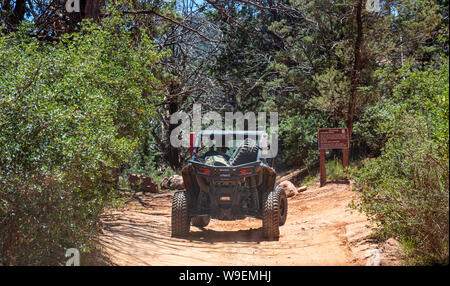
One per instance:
(356, 71)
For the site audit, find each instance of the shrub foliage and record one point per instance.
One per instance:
(405, 191)
(70, 113)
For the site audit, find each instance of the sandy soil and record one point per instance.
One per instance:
(320, 230)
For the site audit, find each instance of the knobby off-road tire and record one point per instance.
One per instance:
(283, 208)
(200, 221)
(272, 218)
(180, 214)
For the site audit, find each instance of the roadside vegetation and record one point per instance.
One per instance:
(405, 190)
(70, 113)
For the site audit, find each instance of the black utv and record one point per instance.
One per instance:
(229, 181)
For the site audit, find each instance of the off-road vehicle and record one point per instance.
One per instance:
(229, 183)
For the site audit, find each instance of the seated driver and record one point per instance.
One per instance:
(217, 156)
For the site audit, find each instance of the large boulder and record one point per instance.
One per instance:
(173, 183)
(176, 182)
(164, 183)
(142, 183)
(289, 188)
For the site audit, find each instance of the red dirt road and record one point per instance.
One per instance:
(320, 230)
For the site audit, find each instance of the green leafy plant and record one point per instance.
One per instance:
(405, 191)
(70, 113)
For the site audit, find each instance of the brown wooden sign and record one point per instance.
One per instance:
(333, 138)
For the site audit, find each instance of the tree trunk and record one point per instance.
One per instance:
(173, 156)
(92, 9)
(18, 13)
(356, 71)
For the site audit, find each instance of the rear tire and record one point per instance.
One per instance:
(180, 214)
(271, 213)
(201, 221)
(283, 205)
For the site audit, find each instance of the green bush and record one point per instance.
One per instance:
(405, 191)
(70, 113)
(335, 170)
(299, 139)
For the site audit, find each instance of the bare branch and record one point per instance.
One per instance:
(151, 12)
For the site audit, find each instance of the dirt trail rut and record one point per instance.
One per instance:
(320, 230)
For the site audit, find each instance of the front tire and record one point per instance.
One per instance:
(180, 215)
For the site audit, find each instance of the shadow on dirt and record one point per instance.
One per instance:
(209, 235)
(339, 181)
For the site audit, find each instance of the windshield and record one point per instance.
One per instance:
(218, 149)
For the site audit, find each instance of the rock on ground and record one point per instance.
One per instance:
(164, 183)
(142, 183)
(173, 183)
(302, 189)
(289, 188)
(390, 252)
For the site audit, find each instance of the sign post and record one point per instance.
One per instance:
(345, 157)
(332, 138)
